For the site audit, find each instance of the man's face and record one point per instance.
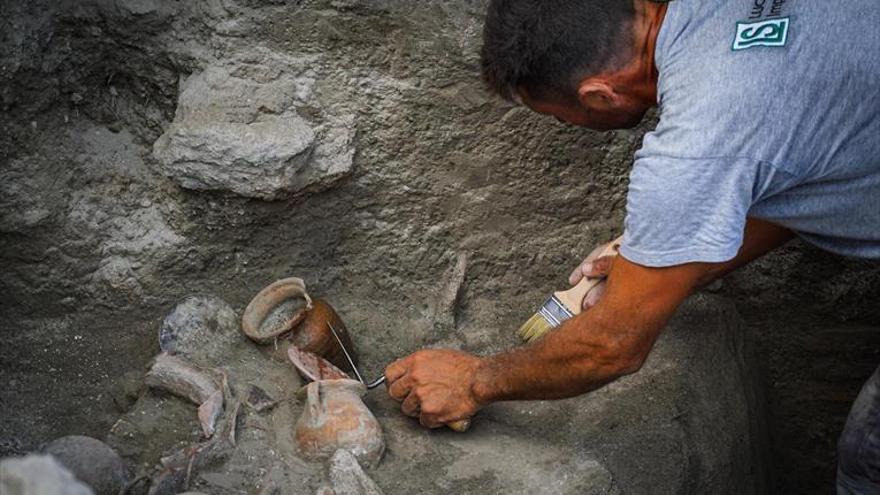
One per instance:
(623, 113)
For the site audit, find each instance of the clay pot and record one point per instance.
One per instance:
(307, 328)
(268, 299)
(313, 335)
(335, 417)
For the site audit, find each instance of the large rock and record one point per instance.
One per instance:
(91, 461)
(237, 129)
(38, 475)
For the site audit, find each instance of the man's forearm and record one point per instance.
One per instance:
(610, 340)
(582, 355)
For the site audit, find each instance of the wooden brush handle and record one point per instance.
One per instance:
(573, 298)
(460, 426)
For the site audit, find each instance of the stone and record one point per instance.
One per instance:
(348, 478)
(201, 328)
(38, 475)
(92, 461)
(236, 129)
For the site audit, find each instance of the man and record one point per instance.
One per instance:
(769, 128)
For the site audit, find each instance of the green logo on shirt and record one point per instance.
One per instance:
(772, 32)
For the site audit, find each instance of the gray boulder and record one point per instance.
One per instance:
(240, 132)
(38, 475)
(91, 461)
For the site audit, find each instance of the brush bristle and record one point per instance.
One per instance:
(550, 315)
(535, 328)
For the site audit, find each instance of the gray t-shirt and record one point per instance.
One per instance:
(769, 109)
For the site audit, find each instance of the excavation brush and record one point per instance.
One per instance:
(563, 305)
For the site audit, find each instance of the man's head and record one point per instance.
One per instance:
(586, 62)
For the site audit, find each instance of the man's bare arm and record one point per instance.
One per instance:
(615, 336)
(611, 339)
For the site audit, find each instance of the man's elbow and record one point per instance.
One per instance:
(621, 359)
(630, 363)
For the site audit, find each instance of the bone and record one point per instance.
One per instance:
(177, 376)
(231, 435)
(209, 411)
(448, 298)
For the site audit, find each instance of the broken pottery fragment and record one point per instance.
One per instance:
(334, 418)
(175, 375)
(314, 367)
(348, 478)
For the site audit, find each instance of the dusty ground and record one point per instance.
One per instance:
(97, 245)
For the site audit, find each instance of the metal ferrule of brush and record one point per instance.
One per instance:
(555, 312)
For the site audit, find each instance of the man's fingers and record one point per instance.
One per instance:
(429, 421)
(599, 267)
(592, 266)
(400, 389)
(410, 406)
(594, 295)
(397, 369)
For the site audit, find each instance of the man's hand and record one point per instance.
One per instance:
(593, 267)
(437, 386)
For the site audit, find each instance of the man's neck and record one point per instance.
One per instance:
(641, 74)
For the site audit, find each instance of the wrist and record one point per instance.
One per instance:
(485, 387)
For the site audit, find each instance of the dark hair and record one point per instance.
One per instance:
(547, 46)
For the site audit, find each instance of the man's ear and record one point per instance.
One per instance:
(597, 94)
